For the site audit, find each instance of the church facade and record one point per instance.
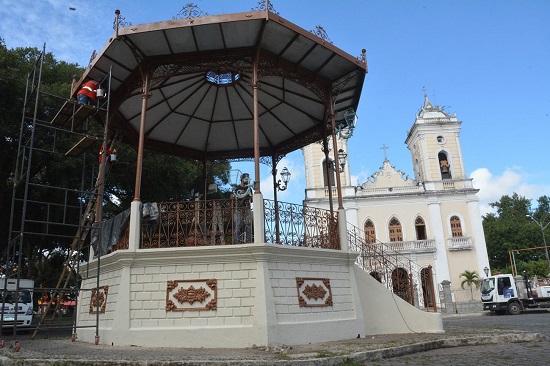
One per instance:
(432, 220)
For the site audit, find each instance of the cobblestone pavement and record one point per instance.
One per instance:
(529, 353)
(483, 338)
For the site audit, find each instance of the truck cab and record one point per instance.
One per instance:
(503, 292)
(499, 294)
(16, 305)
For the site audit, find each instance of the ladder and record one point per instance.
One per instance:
(84, 228)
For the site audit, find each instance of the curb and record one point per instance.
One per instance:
(360, 357)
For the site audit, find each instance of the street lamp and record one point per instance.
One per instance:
(346, 127)
(486, 270)
(542, 226)
(285, 176)
(342, 156)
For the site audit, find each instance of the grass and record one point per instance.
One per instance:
(348, 362)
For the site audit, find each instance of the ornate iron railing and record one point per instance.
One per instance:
(303, 226)
(219, 222)
(399, 274)
(198, 223)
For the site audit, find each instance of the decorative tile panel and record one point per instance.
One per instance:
(98, 300)
(182, 295)
(314, 292)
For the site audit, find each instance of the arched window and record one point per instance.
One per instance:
(396, 234)
(370, 232)
(420, 227)
(444, 166)
(456, 227)
(330, 178)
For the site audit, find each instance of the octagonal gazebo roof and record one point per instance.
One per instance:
(191, 115)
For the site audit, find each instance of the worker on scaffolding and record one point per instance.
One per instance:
(110, 156)
(88, 93)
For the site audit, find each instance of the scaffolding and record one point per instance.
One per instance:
(51, 212)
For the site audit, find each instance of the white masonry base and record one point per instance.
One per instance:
(238, 296)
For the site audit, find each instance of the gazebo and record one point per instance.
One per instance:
(234, 86)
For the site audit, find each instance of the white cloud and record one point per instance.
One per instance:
(492, 188)
(71, 35)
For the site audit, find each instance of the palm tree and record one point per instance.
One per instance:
(470, 278)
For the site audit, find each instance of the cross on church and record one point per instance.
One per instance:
(384, 147)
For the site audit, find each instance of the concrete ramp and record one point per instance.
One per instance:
(384, 312)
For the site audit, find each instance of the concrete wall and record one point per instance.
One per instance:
(259, 294)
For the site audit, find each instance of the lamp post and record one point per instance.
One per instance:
(486, 270)
(279, 186)
(542, 226)
(345, 128)
(342, 155)
(285, 176)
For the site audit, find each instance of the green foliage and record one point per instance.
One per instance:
(537, 268)
(164, 178)
(511, 228)
(471, 278)
(349, 362)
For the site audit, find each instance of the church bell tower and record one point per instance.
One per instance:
(435, 145)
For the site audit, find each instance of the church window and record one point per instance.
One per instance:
(370, 232)
(396, 233)
(444, 166)
(456, 227)
(420, 227)
(328, 179)
(440, 140)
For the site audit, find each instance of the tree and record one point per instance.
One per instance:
(15, 65)
(511, 228)
(471, 278)
(508, 229)
(164, 178)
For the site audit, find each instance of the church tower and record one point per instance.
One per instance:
(318, 176)
(432, 220)
(435, 145)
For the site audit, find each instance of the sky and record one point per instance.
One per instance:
(486, 61)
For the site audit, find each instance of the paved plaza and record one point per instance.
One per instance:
(469, 339)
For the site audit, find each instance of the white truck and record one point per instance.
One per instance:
(10, 302)
(502, 293)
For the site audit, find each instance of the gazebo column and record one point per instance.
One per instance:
(342, 225)
(328, 173)
(258, 199)
(135, 207)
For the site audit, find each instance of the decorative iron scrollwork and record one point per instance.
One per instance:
(190, 11)
(263, 5)
(120, 21)
(321, 33)
(92, 57)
